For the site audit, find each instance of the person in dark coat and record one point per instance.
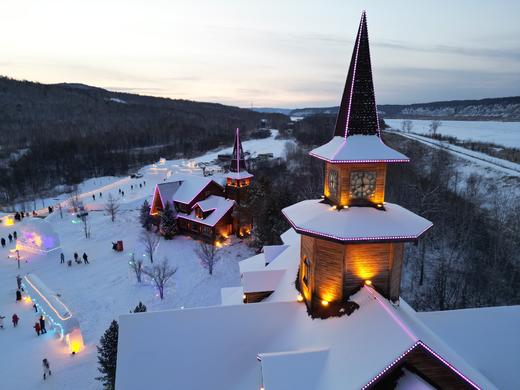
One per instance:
(35, 308)
(17, 216)
(10, 236)
(100, 194)
(3, 242)
(19, 282)
(42, 324)
(37, 328)
(15, 320)
(18, 295)
(62, 258)
(94, 197)
(76, 257)
(46, 369)
(15, 235)
(85, 258)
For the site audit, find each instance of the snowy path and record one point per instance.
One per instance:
(104, 289)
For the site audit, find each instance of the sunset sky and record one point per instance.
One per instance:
(265, 53)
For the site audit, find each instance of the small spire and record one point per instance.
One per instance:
(358, 112)
(238, 162)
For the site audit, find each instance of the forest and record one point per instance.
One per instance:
(470, 258)
(64, 133)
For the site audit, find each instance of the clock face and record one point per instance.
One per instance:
(362, 184)
(333, 183)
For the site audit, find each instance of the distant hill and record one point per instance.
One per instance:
(69, 132)
(506, 109)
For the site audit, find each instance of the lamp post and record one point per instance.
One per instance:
(18, 257)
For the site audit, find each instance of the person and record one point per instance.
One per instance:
(122, 193)
(15, 320)
(144, 183)
(100, 194)
(18, 295)
(140, 185)
(2, 322)
(94, 197)
(62, 258)
(132, 187)
(37, 328)
(10, 236)
(69, 263)
(42, 324)
(35, 308)
(85, 258)
(3, 242)
(46, 369)
(19, 282)
(120, 190)
(15, 235)
(76, 257)
(17, 216)
(49, 208)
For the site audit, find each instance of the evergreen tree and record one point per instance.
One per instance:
(140, 308)
(107, 356)
(168, 225)
(144, 217)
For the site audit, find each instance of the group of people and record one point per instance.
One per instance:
(77, 259)
(12, 237)
(94, 196)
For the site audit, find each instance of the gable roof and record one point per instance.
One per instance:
(182, 353)
(190, 187)
(218, 204)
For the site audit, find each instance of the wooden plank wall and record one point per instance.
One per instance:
(328, 272)
(344, 171)
(307, 250)
(368, 261)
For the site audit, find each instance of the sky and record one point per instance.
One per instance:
(265, 53)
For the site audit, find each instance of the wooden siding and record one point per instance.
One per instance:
(424, 364)
(395, 271)
(367, 262)
(344, 171)
(307, 251)
(328, 270)
(256, 296)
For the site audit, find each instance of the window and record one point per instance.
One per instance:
(306, 270)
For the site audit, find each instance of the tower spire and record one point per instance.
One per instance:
(358, 112)
(238, 162)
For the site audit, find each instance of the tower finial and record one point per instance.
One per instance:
(358, 112)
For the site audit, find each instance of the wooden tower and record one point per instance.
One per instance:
(351, 236)
(238, 180)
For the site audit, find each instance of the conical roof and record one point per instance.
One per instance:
(237, 166)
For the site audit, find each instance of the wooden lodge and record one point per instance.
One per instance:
(206, 209)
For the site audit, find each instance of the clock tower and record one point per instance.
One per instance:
(352, 236)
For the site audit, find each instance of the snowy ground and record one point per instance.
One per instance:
(104, 289)
(500, 133)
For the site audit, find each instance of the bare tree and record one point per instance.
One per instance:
(434, 126)
(61, 210)
(112, 207)
(83, 216)
(150, 241)
(75, 201)
(137, 267)
(160, 273)
(406, 126)
(208, 255)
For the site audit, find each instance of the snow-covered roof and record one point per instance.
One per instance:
(232, 295)
(276, 336)
(190, 187)
(359, 346)
(488, 338)
(316, 217)
(167, 190)
(239, 175)
(263, 280)
(254, 263)
(273, 251)
(218, 204)
(357, 149)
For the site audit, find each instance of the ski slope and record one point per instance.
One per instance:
(99, 292)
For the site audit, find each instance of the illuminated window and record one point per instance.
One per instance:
(306, 270)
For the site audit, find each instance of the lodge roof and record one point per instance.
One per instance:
(393, 223)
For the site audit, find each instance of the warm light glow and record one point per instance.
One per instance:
(379, 205)
(218, 244)
(325, 303)
(27, 299)
(244, 297)
(368, 282)
(299, 298)
(9, 221)
(75, 341)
